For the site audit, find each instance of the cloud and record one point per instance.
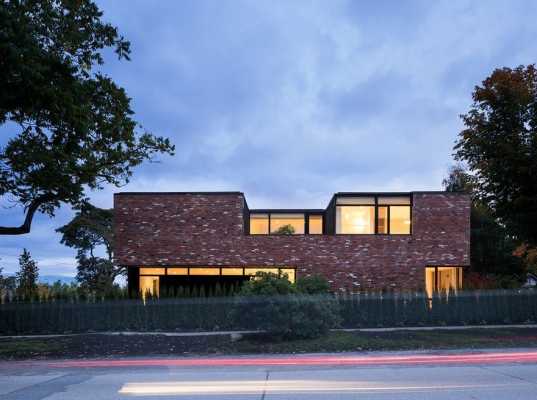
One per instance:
(292, 101)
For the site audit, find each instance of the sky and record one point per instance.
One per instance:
(291, 101)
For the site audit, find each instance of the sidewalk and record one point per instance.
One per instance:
(238, 334)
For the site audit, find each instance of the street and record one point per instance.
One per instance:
(441, 375)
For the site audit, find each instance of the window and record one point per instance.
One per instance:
(287, 224)
(442, 279)
(233, 271)
(259, 224)
(400, 220)
(382, 220)
(315, 224)
(152, 271)
(355, 219)
(177, 271)
(373, 214)
(290, 272)
(149, 285)
(204, 271)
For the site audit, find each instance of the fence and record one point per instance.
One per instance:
(237, 313)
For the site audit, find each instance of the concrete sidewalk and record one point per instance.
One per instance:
(239, 334)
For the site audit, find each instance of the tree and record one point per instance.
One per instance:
(91, 228)
(459, 180)
(75, 127)
(285, 230)
(492, 247)
(499, 145)
(27, 276)
(95, 274)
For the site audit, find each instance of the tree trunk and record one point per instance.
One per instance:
(30, 211)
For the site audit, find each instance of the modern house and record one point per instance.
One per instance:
(359, 242)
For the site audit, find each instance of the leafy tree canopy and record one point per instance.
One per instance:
(499, 145)
(492, 247)
(73, 127)
(90, 228)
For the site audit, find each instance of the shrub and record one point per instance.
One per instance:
(314, 284)
(273, 304)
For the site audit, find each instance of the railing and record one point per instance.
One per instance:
(250, 313)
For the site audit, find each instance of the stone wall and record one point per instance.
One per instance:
(208, 229)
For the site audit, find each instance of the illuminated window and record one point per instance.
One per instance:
(177, 271)
(382, 220)
(290, 274)
(287, 223)
(232, 271)
(356, 215)
(442, 279)
(355, 219)
(315, 224)
(149, 285)
(361, 200)
(259, 224)
(391, 200)
(152, 271)
(400, 220)
(253, 271)
(204, 271)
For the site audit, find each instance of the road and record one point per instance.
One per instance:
(486, 375)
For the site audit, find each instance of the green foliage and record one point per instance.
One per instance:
(272, 303)
(285, 230)
(492, 248)
(95, 274)
(267, 284)
(74, 126)
(92, 227)
(499, 145)
(27, 276)
(315, 284)
(459, 180)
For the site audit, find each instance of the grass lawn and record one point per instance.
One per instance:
(92, 345)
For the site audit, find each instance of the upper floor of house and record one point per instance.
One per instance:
(347, 213)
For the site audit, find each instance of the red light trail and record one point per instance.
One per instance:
(317, 360)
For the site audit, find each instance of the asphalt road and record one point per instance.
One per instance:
(492, 375)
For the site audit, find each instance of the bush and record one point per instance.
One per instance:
(273, 304)
(314, 284)
(267, 284)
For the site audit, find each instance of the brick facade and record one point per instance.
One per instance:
(179, 229)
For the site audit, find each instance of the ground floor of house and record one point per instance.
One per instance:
(221, 280)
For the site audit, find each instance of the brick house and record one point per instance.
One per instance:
(359, 242)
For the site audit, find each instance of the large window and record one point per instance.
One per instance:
(285, 223)
(315, 223)
(291, 224)
(259, 224)
(373, 215)
(150, 276)
(355, 219)
(442, 279)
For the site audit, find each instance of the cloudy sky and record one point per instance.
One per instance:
(290, 101)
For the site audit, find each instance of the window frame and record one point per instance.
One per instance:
(305, 213)
(376, 206)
